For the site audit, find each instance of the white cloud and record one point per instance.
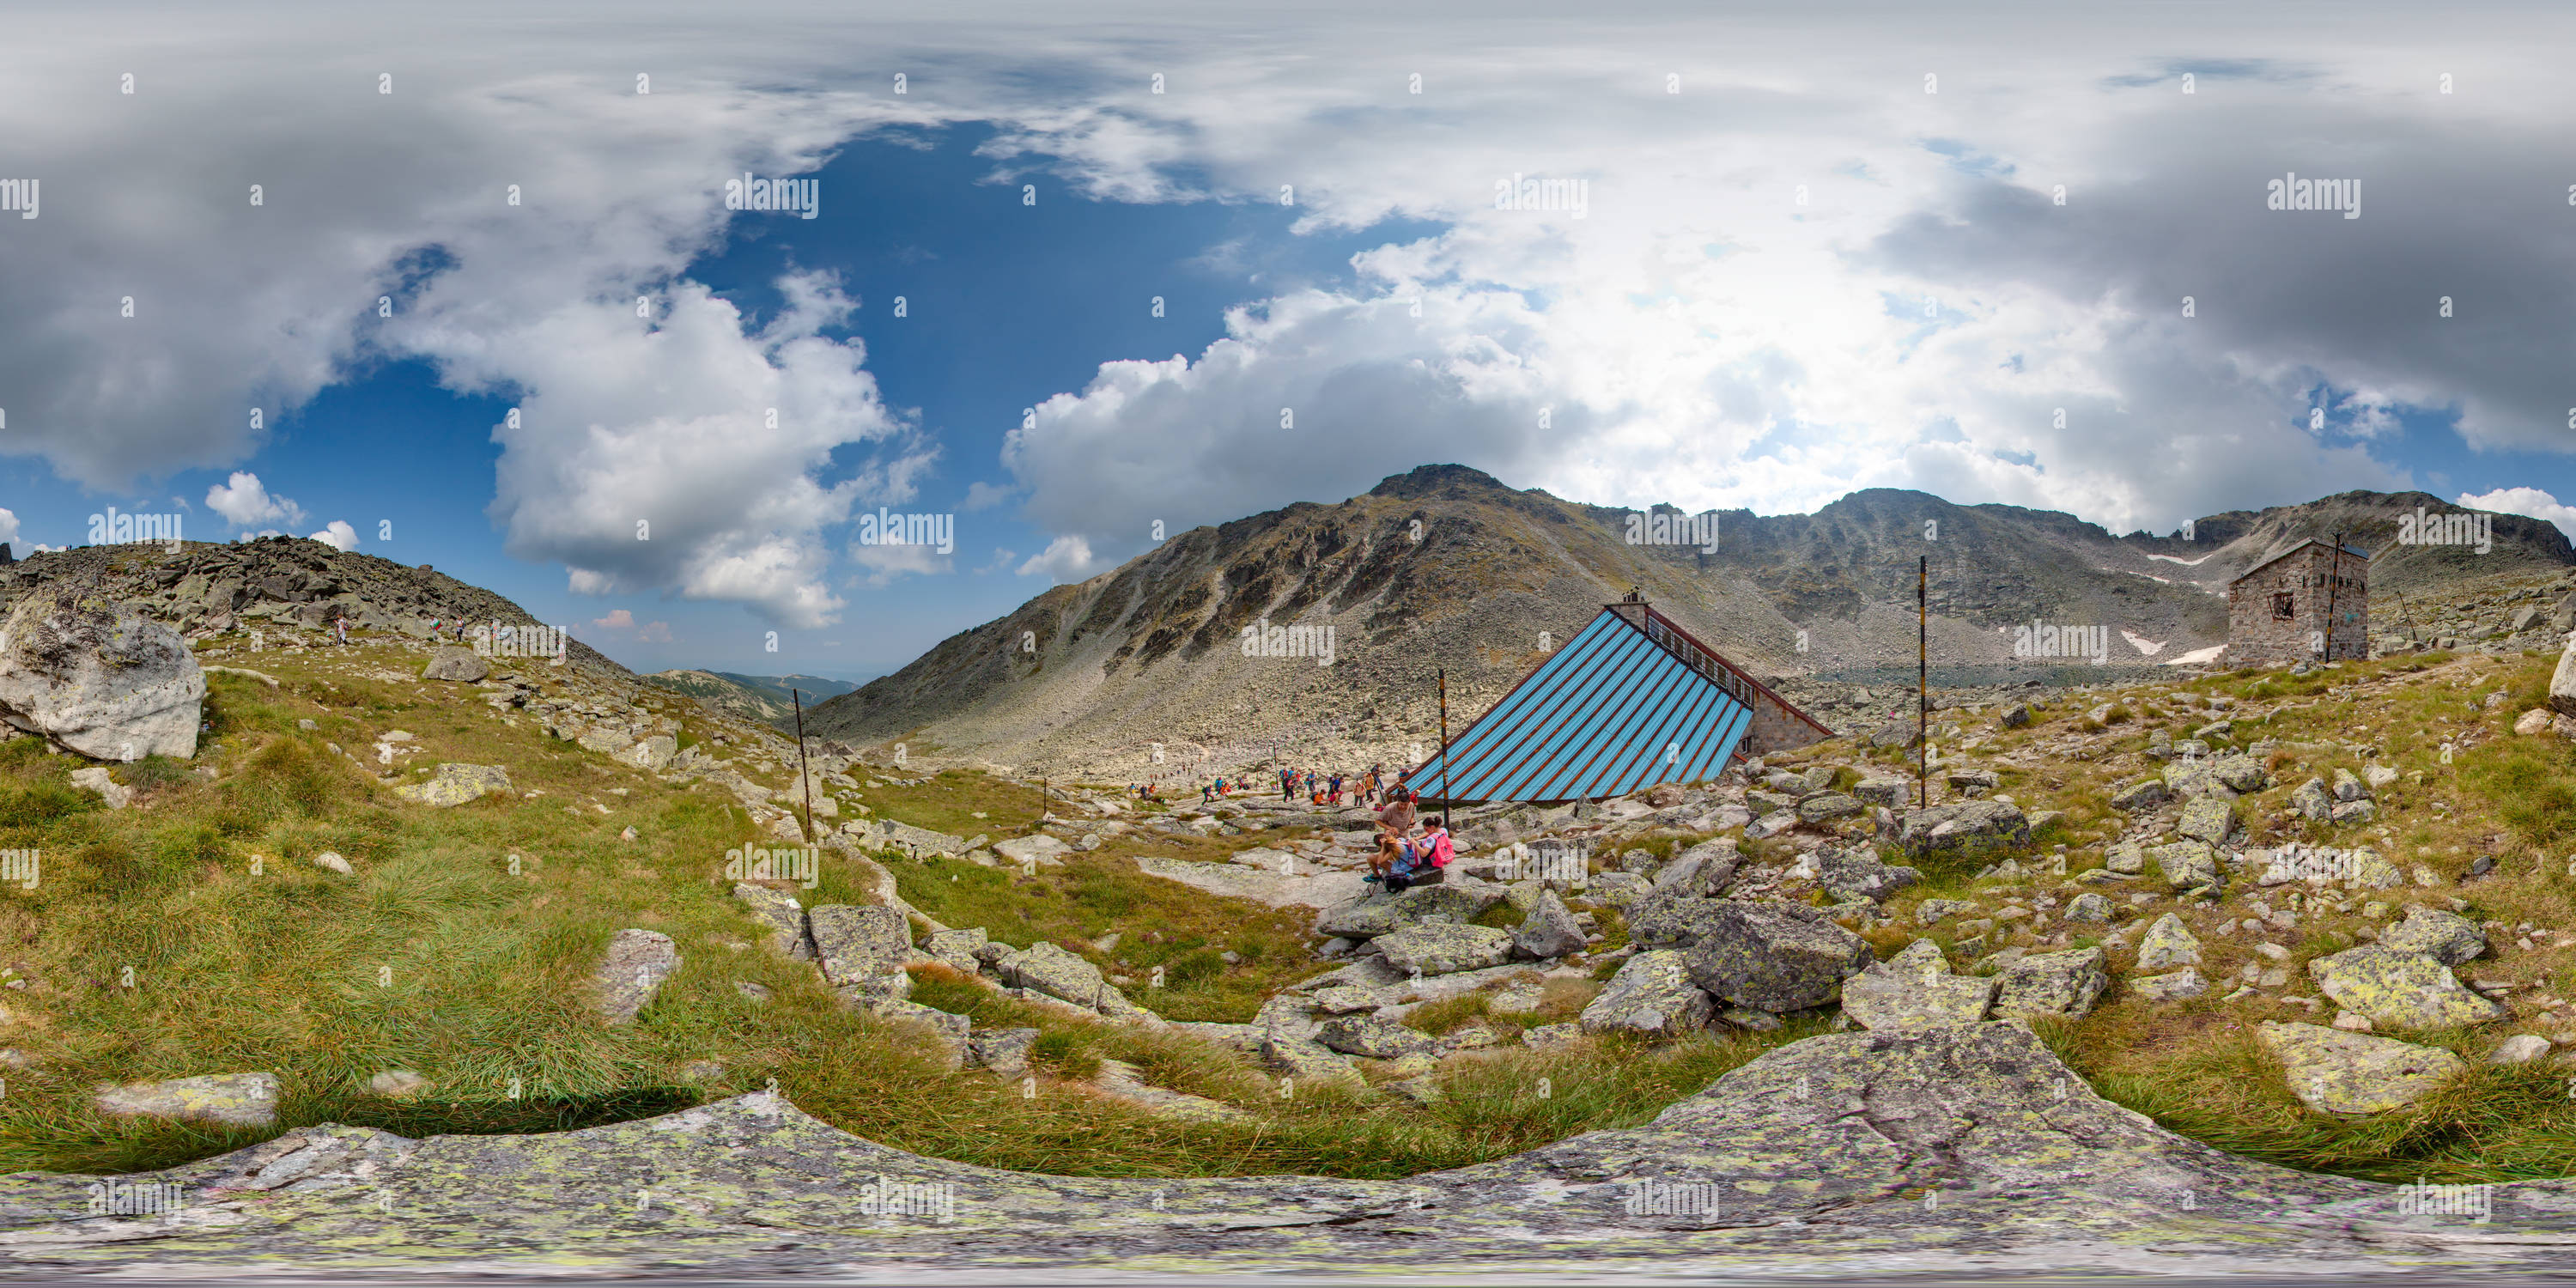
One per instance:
(617, 621)
(244, 501)
(8, 525)
(2525, 500)
(654, 633)
(886, 564)
(1067, 558)
(981, 495)
(338, 535)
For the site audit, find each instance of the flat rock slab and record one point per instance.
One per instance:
(2351, 1074)
(454, 784)
(222, 1100)
(1820, 1157)
(2400, 990)
(1314, 888)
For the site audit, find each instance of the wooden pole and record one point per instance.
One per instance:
(801, 771)
(1922, 681)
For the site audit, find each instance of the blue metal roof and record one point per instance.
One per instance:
(1612, 712)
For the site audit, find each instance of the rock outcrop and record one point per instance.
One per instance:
(92, 675)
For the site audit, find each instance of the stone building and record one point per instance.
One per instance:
(2309, 603)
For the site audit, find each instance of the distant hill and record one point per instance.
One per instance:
(1447, 568)
(763, 698)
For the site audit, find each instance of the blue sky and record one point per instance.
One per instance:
(1778, 266)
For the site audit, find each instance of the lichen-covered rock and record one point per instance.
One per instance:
(1702, 871)
(1771, 824)
(2089, 907)
(956, 947)
(1440, 948)
(2239, 773)
(1885, 793)
(2128, 858)
(97, 778)
(637, 963)
(1367, 1035)
(2145, 793)
(1004, 1051)
(2351, 1074)
(2403, 990)
(2167, 944)
(454, 784)
(1854, 872)
(2311, 799)
(80, 668)
(2064, 983)
(1963, 831)
(1308, 1060)
(858, 946)
(1652, 994)
(1824, 807)
(2172, 986)
(1042, 850)
(1455, 899)
(1058, 973)
(1915, 989)
(654, 754)
(223, 1100)
(2206, 819)
(784, 916)
(2347, 787)
(2186, 865)
(2446, 937)
(947, 1031)
(1934, 911)
(457, 665)
(1775, 957)
(1548, 931)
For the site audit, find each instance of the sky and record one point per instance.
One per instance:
(460, 284)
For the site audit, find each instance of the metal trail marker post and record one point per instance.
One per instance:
(798, 698)
(1922, 681)
(1444, 748)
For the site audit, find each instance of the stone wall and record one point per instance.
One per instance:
(2316, 583)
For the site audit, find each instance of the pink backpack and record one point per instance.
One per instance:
(1441, 853)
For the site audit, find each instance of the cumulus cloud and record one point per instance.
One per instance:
(338, 535)
(981, 495)
(2525, 500)
(8, 525)
(244, 502)
(885, 564)
(619, 620)
(655, 633)
(1067, 558)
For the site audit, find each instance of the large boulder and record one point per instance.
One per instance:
(2066, 983)
(2168, 944)
(2206, 819)
(2562, 682)
(1915, 989)
(858, 945)
(1856, 873)
(1652, 994)
(93, 676)
(2400, 990)
(1058, 973)
(1774, 957)
(2446, 937)
(2351, 1074)
(1039, 849)
(1963, 831)
(1367, 1035)
(784, 916)
(455, 784)
(637, 963)
(1548, 931)
(222, 1100)
(1702, 871)
(1442, 948)
(653, 754)
(1456, 898)
(458, 665)
(2186, 865)
(1671, 919)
